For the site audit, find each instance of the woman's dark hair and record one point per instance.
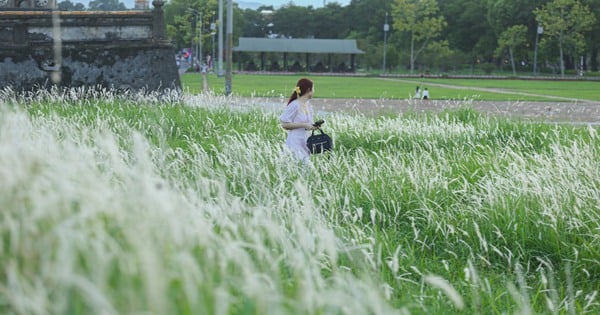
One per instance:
(304, 85)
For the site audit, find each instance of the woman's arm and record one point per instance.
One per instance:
(293, 125)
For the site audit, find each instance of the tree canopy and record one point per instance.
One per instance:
(421, 21)
(565, 21)
(70, 6)
(424, 34)
(106, 5)
(511, 39)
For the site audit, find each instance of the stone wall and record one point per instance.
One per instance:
(115, 50)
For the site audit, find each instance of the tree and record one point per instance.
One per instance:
(330, 21)
(294, 21)
(366, 18)
(593, 41)
(182, 16)
(419, 19)
(511, 39)
(503, 14)
(565, 21)
(256, 23)
(439, 55)
(67, 5)
(467, 31)
(106, 5)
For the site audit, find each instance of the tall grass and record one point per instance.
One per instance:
(186, 205)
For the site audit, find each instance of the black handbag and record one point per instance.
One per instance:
(319, 142)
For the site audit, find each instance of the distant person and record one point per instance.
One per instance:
(425, 94)
(209, 61)
(418, 92)
(203, 71)
(297, 119)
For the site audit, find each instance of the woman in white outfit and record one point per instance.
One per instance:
(297, 119)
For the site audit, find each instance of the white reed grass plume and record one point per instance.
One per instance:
(100, 213)
(442, 284)
(95, 217)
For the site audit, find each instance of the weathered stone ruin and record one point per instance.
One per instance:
(41, 47)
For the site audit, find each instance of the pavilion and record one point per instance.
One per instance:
(308, 47)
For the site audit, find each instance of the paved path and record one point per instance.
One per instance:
(495, 90)
(564, 111)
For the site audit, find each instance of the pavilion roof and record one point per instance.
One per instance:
(298, 45)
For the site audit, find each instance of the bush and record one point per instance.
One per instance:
(487, 68)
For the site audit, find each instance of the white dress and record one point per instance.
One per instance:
(296, 112)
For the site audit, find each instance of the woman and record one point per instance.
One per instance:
(297, 119)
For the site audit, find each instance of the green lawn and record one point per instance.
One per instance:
(396, 88)
(588, 90)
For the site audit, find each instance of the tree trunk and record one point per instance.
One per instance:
(512, 61)
(594, 60)
(562, 61)
(412, 53)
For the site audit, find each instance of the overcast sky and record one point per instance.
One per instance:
(249, 3)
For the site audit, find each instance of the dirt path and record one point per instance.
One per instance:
(576, 112)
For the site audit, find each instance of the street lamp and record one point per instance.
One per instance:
(539, 32)
(229, 47)
(201, 67)
(386, 28)
(220, 38)
(213, 33)
(199, 26)
(270, 29)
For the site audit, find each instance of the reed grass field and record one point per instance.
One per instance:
(185, 204)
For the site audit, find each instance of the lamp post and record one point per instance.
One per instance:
(194, 21)
(270, 30)
(220, 39)
(198, 25)
(229, 47)
(213, 33)
(386, 28)
(201, 67)
(538, 32)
